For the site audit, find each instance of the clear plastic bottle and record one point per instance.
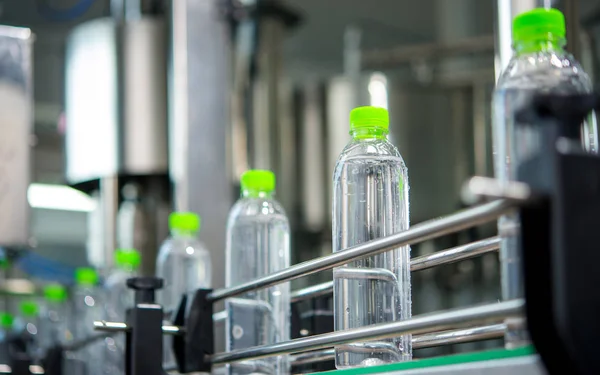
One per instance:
(6, 325)
(184, 265)
(87, 307)
(258, 244)
(540, 65)
(370, 200)
(6, 333)
(118, 298)
(30, 316)
(54, 317)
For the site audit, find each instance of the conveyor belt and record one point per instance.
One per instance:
(522, 361)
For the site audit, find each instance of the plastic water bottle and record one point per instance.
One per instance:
(540, 64)
(119, 298)
(370, 200)
(30, 318)
(87, 307)
(258, 244)
(54, 319)
(184, 265)
(6, 325)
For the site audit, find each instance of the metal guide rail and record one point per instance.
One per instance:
(557, 197)
(424, 327)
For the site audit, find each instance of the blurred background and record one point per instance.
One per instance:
(134, 108)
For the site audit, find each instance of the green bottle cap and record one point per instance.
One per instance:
(369, 117)
(29, 308)
(128, 258)
(538, 25)
(55, 293)
(184, 221)
(6, 320)
(86, 276)
(258, 180)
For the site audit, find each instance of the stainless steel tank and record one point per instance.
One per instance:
(116, 126)
(116, 99)
(16, 120)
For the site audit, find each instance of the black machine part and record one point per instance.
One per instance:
(192, 349)
(559, 236)
(144, 339)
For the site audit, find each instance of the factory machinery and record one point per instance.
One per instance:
(557, 197)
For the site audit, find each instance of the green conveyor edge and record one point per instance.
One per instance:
(440, 361)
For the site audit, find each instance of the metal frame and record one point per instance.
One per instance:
(425, 231)
(426, 327)
(448, 256)
(418, 325)
(458, 336)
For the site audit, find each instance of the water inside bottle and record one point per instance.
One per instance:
(372, 202)
(259, 246)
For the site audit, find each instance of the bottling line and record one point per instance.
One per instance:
(556, 197)
(148, 88)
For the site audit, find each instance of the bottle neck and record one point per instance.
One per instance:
(183, 233)
(368, 133)
(127, 268)
(539, 45)
(252, 193)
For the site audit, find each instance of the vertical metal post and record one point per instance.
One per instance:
(352, 63)
(480, 128)
(109, 199)
(199, 90)
(506, 10)
(571, 12)
(510, 260)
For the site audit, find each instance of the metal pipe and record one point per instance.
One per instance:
(220, 317)
(417, 325)
(104, 326)
(571, 12)
(478, 189)
(459, 336)
(506, 10)
(313, 291)
(455, 254)
(447, 256)
(377, 59)
(421, 232)
(109, 199)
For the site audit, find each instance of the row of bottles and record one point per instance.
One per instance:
(258, 244)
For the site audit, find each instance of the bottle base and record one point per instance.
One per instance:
(369, 354)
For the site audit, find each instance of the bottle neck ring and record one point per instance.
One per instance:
(255, 193)
(524, 47)
(370, 132)
(183, 232)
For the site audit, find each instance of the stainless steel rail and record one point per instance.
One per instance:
(312, 291)
(458, 336)
(478, 189)
(104, 326)
(447, 256)
(427, 230)
(220, 317)
(455, 254)
(418, 325)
